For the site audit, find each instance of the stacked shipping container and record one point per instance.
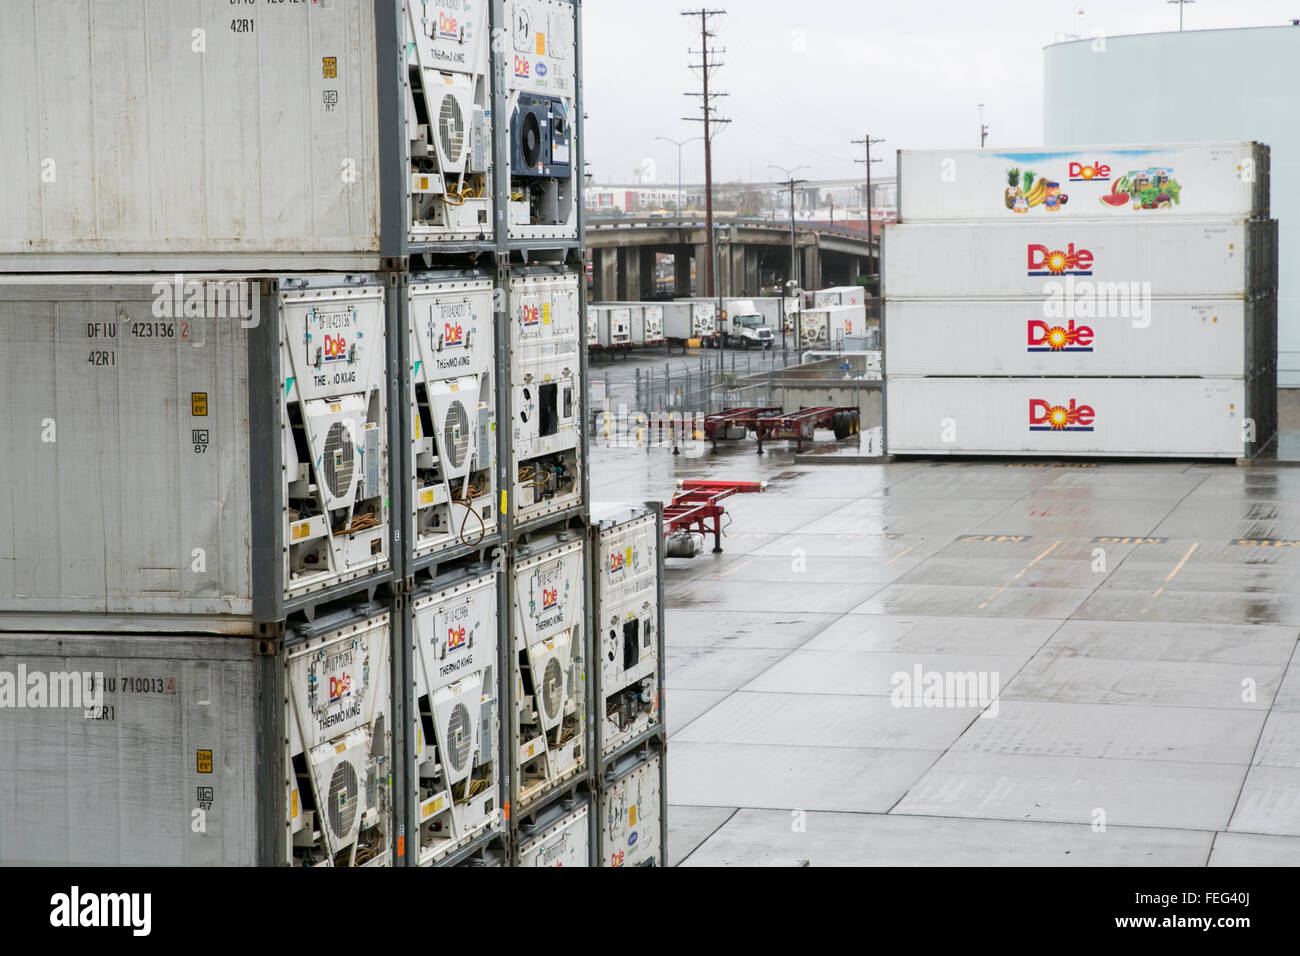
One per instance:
(254, 411)
(1114, 301)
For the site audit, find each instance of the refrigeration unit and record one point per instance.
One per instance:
(185, 750)
(592, 326)
(630, 821)
(449, 119)
(648, 324)
(193, 452)
(628, 645)
(548, 668)
(541, 85)
(453, 411)
(613, 325)
(340, 749)
(546, 465)
(561, 838)
(457, 786)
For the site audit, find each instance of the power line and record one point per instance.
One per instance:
(708, 65)
(867, 142)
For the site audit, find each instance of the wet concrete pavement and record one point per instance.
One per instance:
(1112, 645)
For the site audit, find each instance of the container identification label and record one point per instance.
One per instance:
(199, 404)
(204, 761)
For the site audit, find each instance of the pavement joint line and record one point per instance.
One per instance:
(711, 833)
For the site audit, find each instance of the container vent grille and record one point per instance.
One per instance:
(339, 459)
(342, 802)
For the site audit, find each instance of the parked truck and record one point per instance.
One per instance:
(744, 326)
(827, 327)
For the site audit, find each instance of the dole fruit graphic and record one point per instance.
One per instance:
(1057, 338)
(1043, 261)
(1044, 416)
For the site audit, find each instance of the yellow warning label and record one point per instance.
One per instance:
(426, 496)
(541, 44)
(204, 761)
(301, 530)
(199, 403)
(294, 814)
(330, 67)
(631, 815)
(546, 313)
(503, 501)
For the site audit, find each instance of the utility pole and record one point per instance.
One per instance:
(1181, 4)
(707, 65)
(984, 130)
(790, 182)
(866, 142)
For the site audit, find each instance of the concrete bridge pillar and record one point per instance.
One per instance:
(702, 268)
(604, 274)
(812, 267)
(629, 274)
(682, 271)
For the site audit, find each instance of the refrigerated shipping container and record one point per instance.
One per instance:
(457, 781)
(1180, 258)
(548, 667)
(213, 135)
(841, 295)
(1140, 183)
(190, 453)
(546, 464)
(561, 838)
(689, 320)
(181, 750)
(452, 354)
(613, 325)
(631, 818)
(628, 596)
(827, 327)
(1073, 417)
(1159, 337)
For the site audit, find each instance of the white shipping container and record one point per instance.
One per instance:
(613, 326)
(689, 320)
(630, 817)
(215, 135)
(647, 324)
(828, 326)
(545, 466)
(1146, 183)
(1171, 337)
(193, 452)
(564, 842)
(1147, 257)
(1128, 417)
(171, 750)
(548, 667)
(625, 552)
(840, 295)
(457, 783)
(453, 411)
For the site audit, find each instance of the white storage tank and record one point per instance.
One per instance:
(182, 750)
(545, 377)
(457, 787)
(453, 411)
(192, 452)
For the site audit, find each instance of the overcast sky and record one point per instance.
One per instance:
(807, 77)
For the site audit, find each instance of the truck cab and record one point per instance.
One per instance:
(745, 326)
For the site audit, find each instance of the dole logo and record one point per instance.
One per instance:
(455, 638)
(1083, 173)
(521, 66)
(1046, 417)
(550, 598)
(335, 348)
(1055, 262)
(531, 314)
(340, 687)
(1056, 338)
(453, 334)
(617, 562)
(616, 859)
(448, 27)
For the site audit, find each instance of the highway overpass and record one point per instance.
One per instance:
(624, 251)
